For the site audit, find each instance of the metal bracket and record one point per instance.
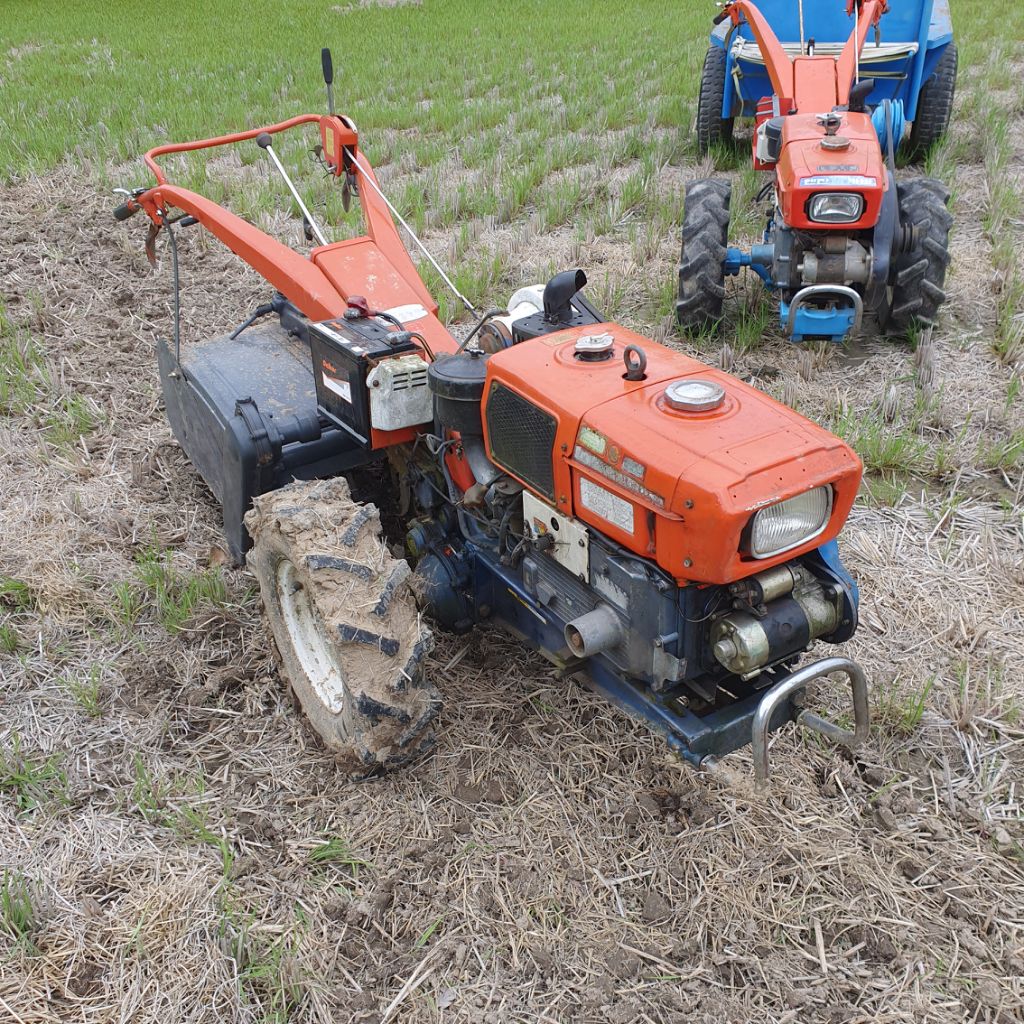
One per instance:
(838, 291)
(267, 447)
(796, 681)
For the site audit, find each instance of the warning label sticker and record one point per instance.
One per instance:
(342, 388)
(607, 505)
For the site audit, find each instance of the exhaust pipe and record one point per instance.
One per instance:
(594, 632)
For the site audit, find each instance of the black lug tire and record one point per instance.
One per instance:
(934, 105)
(356, 613)
(701, 269)
(918, 277)
(712, 128)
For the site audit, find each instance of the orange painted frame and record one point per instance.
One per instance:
(307, 282)
(314, 284)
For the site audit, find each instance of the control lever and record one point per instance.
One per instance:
(261, 310)
(129, 207)
(264, 141)
(328, 68)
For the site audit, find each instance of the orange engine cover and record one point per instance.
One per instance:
(806, 167)
(679, 488)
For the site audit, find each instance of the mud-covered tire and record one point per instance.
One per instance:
(919, 276)
(349, 637)
(701, 260)
(934, 105)
(712, 129)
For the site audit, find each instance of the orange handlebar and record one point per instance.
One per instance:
(221, 140)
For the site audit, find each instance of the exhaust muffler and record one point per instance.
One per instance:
(594, 632)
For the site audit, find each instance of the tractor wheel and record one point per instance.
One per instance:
(934, 105)
(918, 276)
(348, 634)
(701, 270)
(712, 128)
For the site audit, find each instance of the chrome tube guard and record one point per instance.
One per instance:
(797, 680)
(813, 291)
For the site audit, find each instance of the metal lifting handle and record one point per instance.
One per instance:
(803, 296)
(797, 681)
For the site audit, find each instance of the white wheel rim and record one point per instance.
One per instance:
(306, 638)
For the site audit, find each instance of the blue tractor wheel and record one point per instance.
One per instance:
(919, 273)
(934, 105)
(713, 129)
(702, 260)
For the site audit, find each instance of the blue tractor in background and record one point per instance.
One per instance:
(912, 60)
(831, 89)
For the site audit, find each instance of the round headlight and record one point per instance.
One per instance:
(835, 207)
(790, 523)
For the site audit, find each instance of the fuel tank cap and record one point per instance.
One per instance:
(694, 395)
(594, 347)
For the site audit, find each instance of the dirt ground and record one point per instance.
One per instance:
(192, 855)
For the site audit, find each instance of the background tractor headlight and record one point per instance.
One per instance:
(835, 207)
(788, 524)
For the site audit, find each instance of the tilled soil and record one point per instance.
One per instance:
(192, 853)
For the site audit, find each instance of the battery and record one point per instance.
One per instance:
(344, 352)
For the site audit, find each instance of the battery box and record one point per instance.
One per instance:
(352, 357)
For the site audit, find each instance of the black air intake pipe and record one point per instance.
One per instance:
(559, 293)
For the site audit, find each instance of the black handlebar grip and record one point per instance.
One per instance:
(263, 140)
(327, 64)
(719, 18)
(125, 210)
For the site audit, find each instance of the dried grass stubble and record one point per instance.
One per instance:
(549, 858)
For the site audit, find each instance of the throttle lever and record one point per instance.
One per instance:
(262, 310)
(328, 69)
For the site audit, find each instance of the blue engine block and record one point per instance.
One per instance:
(468, 583)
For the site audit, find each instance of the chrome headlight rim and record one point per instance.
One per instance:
(823, 197)
(749, 534)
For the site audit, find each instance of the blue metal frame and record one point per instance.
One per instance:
(498, 594)
(928, 23)
(809, 323)
(834, 324)
(758, 259)
(829, 556)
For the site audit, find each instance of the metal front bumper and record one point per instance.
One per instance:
(784, 691)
